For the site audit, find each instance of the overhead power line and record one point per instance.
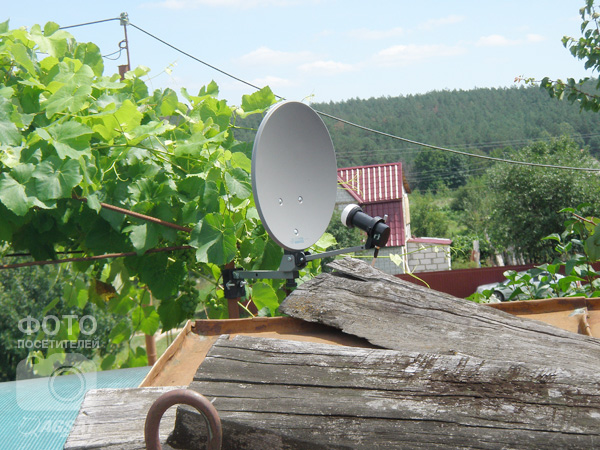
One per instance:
(352, 124)
(197, 59)
(457, 152)
(89, 23)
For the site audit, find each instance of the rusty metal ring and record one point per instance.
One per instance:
(186, 397)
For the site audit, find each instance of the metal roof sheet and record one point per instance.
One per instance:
(375, 183)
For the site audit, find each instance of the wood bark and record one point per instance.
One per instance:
(274, 394)
(395, 314)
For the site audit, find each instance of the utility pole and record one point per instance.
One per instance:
(126, 67)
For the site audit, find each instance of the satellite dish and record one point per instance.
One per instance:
(294, 175)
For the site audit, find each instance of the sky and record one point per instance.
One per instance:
(327, 50)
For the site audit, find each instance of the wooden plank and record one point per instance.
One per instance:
(278, 328)
(114, 419)
(394, 314)
(289, 395)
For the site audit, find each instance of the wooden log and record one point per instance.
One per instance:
(275, 394)
(114, 419)
(395, 314)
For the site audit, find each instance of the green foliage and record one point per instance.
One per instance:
(462, 246)
(586, 48)
(343, 236)
(578, 250)
(526, 199)
(433, 169)
(72, 138)
(427, 218)
(37, 292)
(473, 208)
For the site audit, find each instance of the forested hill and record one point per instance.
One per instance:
(475, 120)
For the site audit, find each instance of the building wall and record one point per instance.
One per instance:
(343, 198)
(427, 255)
(385, 264)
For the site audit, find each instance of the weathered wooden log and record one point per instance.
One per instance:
(113, 419)
(274, 394)
(395, 314)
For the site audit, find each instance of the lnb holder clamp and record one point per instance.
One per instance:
(292, 262)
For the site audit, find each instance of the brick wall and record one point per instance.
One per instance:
(429, 256)
(384, 263)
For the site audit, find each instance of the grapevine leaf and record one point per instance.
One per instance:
(252, 249)
(242, 161)
(146, 319)
(162, 276)
(93, 202)
(103, 238)
(143, 237)
(68, 99)
(137, 358)
(214, 239)
(326, 241)
(89, 53)
(8, 133)
(120, 333)
(210, 198)
(108, 361)
(592, 245)
(264, 296)
(19, 52)
(70, 139)
(257, 102)
(12, 195)
(55, 179)
(54, 44)
(237, 183)
(170, 313)
(210, 90)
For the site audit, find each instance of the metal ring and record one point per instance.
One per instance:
(186, 397)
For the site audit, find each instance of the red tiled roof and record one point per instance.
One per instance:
(378, 189)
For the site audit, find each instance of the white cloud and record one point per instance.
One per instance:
(534, 38)
(497, 40)
(265, 56)
(326, 67)
(273, 82)
(365, 33)
(238, 4)
(399, 55)
(434, 23)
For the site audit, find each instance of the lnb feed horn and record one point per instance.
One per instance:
(377, 231)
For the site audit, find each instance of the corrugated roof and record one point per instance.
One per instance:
(375, 183)
(38, 414)
(378, 189)
(393, 210)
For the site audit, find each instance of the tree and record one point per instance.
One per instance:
(526, 199)
(427, 219)
(433, 169)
